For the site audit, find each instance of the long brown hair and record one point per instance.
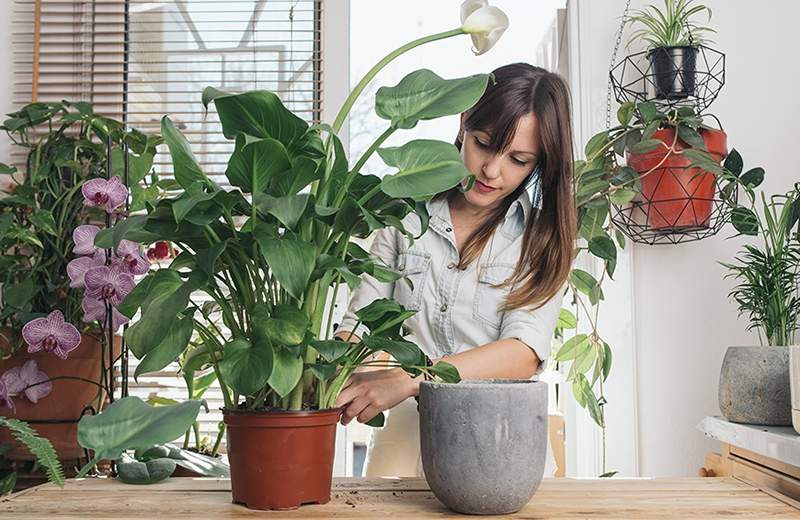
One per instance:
(548, 244)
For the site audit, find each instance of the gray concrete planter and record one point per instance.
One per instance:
(754, 386)
(483, 442)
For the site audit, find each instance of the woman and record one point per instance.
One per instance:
(488, 275)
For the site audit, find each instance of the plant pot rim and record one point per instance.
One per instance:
(672, 47)
(285, 413)
(764, 346)
(483, 383)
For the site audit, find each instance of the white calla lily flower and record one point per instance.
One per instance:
(484, 23)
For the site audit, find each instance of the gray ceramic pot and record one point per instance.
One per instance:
(754, 386)
(794, 383)
(483, 442)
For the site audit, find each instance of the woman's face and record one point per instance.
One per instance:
(496, 176)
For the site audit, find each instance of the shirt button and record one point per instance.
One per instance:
(449, 229)
(451, 265)
(443, 308)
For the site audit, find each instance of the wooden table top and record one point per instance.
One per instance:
(357, 498)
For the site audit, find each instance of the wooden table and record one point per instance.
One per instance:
(684, 498)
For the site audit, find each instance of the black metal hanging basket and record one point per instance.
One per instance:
(690, 76)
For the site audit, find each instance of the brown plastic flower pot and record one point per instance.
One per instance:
(679, 197)
(61, 409)
(281, 460)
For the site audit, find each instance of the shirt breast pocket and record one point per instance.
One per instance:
(490, 299)
(413, 265)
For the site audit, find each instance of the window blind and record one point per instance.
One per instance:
(136, 60)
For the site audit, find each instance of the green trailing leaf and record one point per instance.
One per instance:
(130, 424)
(596, 144)
(691, 137)
(40, 447)
(422, 95)
(566, 319)
(574, 347)
(603, 247)
(625, 112)
(753, 177)
(646, 145)
(745, 221)
(734, 163)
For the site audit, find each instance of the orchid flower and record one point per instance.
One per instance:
(76, 269)
(102, 193)
(94, 309)
(108, 283)
(27, 379)
(484, 23)
(51, 334)
(131, 259)
(83, 236)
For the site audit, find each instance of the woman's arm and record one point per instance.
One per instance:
(366, 394)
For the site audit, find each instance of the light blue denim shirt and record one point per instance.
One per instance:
(456, 310)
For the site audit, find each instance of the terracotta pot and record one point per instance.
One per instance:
(65, 403)
(281, 460)
(678, 197)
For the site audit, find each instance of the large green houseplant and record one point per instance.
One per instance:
(269, 250)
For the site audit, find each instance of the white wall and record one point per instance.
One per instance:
(683, 319)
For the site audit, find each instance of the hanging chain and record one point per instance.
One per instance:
(614, 61)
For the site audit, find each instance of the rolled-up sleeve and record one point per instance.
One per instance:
(535, 328)
(384, 247)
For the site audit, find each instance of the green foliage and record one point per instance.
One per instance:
(39, 446)
(670, 27)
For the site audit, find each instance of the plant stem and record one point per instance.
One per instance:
(351, 99)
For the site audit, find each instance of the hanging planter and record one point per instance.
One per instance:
(675, 195)
(674, 71)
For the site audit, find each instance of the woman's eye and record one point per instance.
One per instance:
(517, 161)
(481, 144)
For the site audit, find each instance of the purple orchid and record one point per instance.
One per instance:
(94, 309)
(27, 379)
(76, 269)
(131, 259)
(5, 398)
(51, 334)
(108, 283)
(101, 193)
(83, 236)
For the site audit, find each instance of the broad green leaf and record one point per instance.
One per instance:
(646, 145)
(286, 372)
(691, 137)
(603, 247)
(291, 262)
(131, 471)
(745, 221)
(378, 421)
(622, 197)
(734, 163)
(426, 167)
(253, 164)
(648, 111)
(173, 345)
(753, 177)
(377, 309)
(156, 283)
(245, 366)
(288, 209)
(111, 237)
(403, 351)
(19, 294)
(130, 424)
(596, 144)
(423, 95)
(185, 166)
(330, 349)
(625, 112)
(287, 325)
(43, 220)
(446, 372)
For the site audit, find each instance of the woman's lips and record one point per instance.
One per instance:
(483, 188)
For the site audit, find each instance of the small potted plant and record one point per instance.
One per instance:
(44, 223)
(672, 40)
(672, 168)
(754, 383)
(269, 251)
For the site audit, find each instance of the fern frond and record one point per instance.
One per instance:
(39, 446)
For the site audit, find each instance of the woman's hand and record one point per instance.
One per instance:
(366, 394)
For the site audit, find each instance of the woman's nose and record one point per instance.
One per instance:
(491, 168)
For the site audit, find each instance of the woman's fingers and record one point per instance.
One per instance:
(358, 405)
(368, 413)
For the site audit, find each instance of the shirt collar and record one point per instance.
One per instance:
(513, 223)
